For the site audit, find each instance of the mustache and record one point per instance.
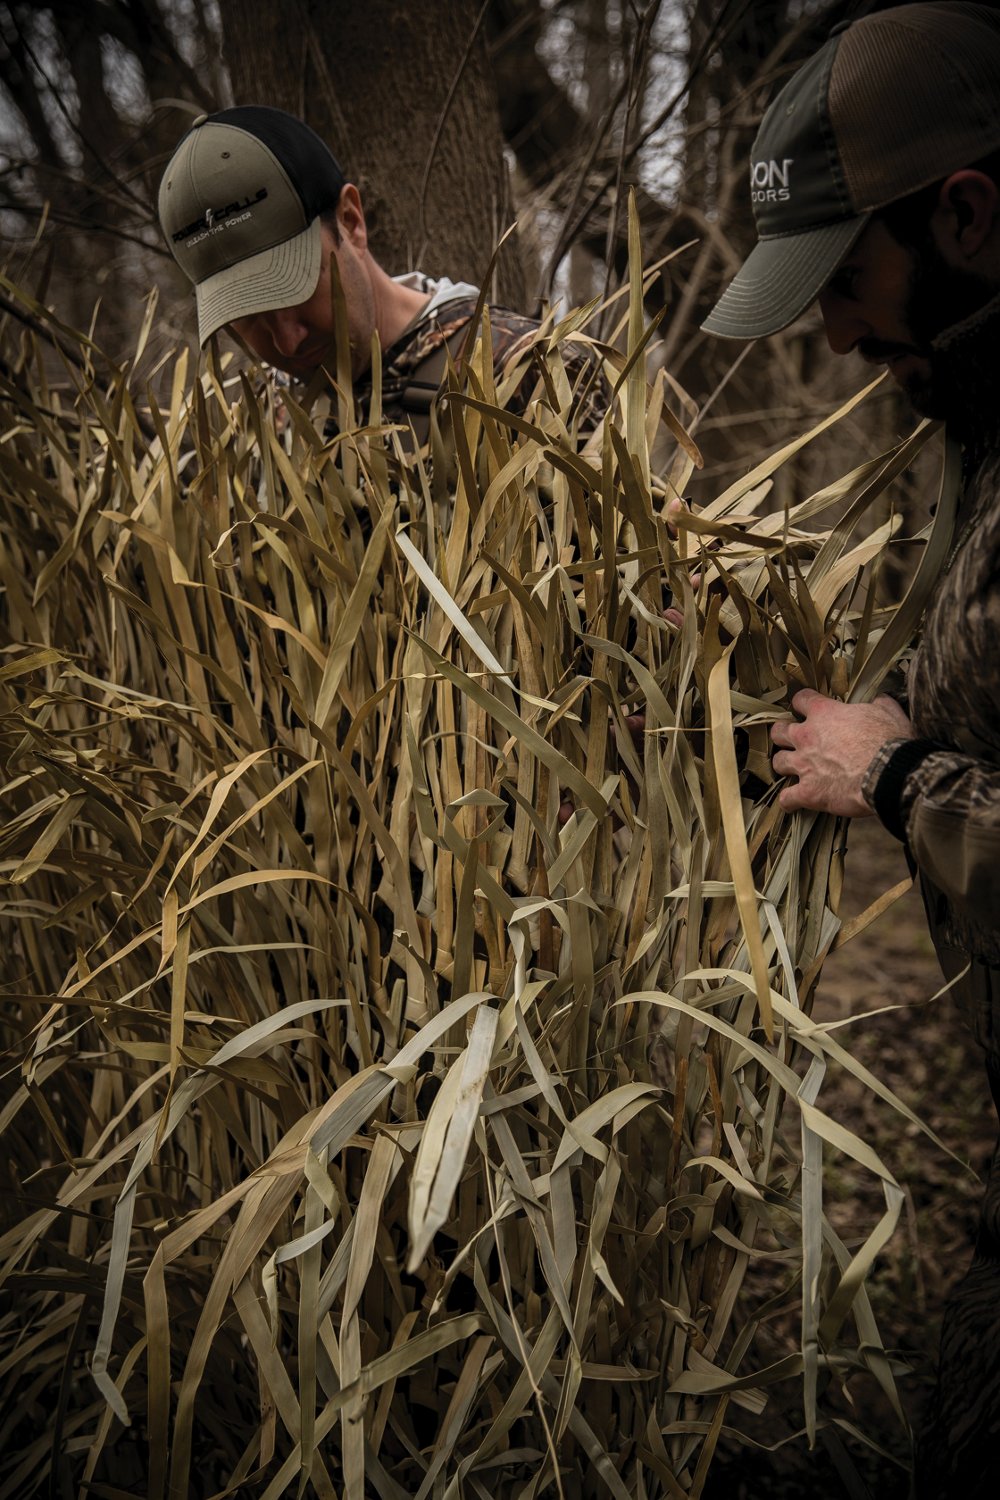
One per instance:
(878, 352)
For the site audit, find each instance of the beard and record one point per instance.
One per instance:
(939, 297)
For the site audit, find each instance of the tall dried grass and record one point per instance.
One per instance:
(367, 1128)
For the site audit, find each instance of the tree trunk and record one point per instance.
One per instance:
(92, 161)
(375, 80)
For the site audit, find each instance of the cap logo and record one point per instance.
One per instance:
(770, 180)
(213, 220)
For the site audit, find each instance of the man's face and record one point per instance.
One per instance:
(300, 339)
(889, 302)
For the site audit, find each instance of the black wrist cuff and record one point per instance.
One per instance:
(887, 796)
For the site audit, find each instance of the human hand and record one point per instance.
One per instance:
(829, 748)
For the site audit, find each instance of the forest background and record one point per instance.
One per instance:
(458, 120)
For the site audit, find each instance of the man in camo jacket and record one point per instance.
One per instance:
(875, 181)
(257, 212)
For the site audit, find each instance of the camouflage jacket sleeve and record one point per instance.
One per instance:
(940, 793)
(945, 805)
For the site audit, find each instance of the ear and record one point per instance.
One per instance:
(351, 217)
(966, 221)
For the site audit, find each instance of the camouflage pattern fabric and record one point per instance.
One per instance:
(406, 390)
(950, 808)
(950, 802)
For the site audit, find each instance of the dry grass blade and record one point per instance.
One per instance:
(369, 1127)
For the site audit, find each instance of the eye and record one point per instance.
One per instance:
(844, 281)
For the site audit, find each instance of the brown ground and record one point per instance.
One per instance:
(925, 1053)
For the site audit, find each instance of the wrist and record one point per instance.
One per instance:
(884, 785)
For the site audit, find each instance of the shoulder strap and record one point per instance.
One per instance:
(426, 378)
(419, 367)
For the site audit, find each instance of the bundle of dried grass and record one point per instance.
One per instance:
(368, 1128)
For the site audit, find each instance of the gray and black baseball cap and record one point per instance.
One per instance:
(889, 104)
(240, 203)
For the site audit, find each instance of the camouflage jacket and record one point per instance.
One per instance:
(414, 368)
(942, 793)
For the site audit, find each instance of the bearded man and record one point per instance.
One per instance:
(874, 180)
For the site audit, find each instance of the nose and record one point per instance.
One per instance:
(842, 322)
(287, 330)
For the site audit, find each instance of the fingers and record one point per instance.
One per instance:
(790, 798)
(674, 508)
(783, 760)
(783, 732)
(804, 699)
(675, 616)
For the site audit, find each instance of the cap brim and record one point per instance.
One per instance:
(280, 277)
(780, 278)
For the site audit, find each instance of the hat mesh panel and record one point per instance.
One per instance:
(914, 100)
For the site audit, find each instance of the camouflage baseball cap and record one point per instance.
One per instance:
(240, 203)
(889, 104)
